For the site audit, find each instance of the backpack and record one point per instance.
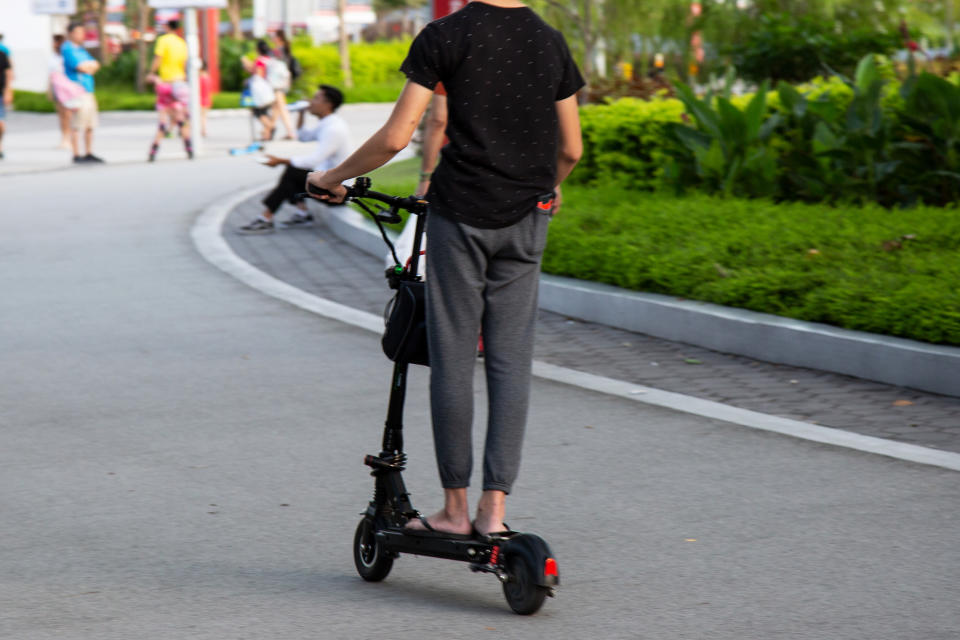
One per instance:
(296, 69)
(260, 93)
(278, 75)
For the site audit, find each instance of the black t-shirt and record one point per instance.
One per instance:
(504, 70)
(4, 65)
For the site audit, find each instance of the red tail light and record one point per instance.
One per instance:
(550, 567)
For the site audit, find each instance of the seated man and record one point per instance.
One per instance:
(333, 146)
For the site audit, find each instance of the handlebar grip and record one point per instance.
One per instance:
(317, 191)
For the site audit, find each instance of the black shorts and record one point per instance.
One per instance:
(259, 112)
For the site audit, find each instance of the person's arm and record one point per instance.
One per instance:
(392, 138)
(76, 59)
(84, 62)
(433, 136)
(571, 142)
(8, 87)
(273, 161)
(88, 66)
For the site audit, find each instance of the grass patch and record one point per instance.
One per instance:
(114, 99)
(396, 179)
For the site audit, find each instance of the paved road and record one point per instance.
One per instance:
(181, 459)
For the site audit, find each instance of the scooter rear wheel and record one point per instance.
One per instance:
(521, 590)
(373, 564)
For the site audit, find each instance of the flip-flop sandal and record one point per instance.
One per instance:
(433, 533)
(492, 534)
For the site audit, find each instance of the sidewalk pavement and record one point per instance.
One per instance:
(122, 137)
(316, 261)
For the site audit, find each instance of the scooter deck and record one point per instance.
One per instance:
(474, 549)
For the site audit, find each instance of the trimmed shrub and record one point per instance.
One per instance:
(231, 52)
(796, 50)
(623, 142)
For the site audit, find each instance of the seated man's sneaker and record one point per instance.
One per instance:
(259, 225)
(298, 220)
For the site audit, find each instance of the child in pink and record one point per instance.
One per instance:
(172, 101)
(206, 97)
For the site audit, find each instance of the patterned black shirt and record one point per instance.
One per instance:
(504, 71)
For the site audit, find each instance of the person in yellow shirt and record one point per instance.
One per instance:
(170, 55)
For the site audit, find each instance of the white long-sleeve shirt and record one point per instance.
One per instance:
(333, 144)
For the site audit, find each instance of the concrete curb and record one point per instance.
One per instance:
(208, 239)
(763, 336)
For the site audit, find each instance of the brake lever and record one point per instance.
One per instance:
(391, 215)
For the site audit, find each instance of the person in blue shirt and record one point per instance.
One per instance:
(80, 67)
(3, 47)
(6, 93)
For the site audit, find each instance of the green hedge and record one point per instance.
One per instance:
(868, 139)
(623, 142)
(375, 68)
(864, 268)
(114, 99)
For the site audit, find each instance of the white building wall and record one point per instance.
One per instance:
(28, 36)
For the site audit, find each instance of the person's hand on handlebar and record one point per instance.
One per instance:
(319, 180)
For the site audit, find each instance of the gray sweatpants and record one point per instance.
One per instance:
(481, 279)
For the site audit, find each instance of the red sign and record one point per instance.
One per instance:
(446, 7)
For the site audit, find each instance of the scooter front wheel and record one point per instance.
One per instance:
(521, 590)
(373, 563)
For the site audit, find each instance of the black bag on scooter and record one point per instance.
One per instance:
(405, 338)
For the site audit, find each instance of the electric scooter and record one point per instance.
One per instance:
(522, 562)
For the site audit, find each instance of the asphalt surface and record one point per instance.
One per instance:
(182, 459)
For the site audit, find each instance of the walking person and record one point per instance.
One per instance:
(280, 77)
(170, 55)
(172, 112)
(206, 96)
(514, 130)
(333, 144)
(168, 72)
(80, 68)
(264, 96)
(57, 75)
(6, 93)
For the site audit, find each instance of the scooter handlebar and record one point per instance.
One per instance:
(361, 189)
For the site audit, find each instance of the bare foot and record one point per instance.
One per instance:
(490, 513)
(441, 521)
